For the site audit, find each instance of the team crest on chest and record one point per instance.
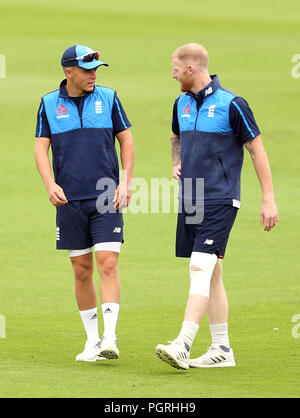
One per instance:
(98, 106)
(211, 111)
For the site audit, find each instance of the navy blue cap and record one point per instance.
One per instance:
(69, 57)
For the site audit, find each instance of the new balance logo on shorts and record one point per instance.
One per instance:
(209, 241)
(117, 229)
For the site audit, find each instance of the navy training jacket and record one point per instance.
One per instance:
(82, 133)
(213, 127)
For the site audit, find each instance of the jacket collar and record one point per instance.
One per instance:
(63, 91)
(208, 90)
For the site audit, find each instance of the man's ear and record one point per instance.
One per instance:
(68, 71)
(190, 69)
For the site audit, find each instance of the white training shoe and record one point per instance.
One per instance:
(90, 352)
(176, 354)
(216, 356)
(109, 349)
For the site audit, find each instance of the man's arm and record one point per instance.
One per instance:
(55, 192)
(268, 213)
(175, 143)
(123, 192)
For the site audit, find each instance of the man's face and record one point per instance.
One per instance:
(181, 74)
(83, 79)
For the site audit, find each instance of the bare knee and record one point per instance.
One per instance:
(83, 268)
(108, 266)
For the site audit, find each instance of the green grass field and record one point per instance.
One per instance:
(250, 48)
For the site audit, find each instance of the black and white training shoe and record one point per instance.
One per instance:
(176, 354)
(90, 353)
(109, 349)
(216, 356)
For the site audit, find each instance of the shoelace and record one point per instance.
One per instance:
(90, 344)
(213, 357)
(103, 338)
(174, 341)
(213, 348)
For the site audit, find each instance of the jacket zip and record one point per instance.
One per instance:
(79, 110)
(196, 119)
(198, 111)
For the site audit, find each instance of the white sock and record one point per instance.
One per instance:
(110, 313)
(188, 332)
(90, 323)
(219, 334)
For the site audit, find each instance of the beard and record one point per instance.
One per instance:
(186, 84)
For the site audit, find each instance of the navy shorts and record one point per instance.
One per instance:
(79, 225)
(209, 236)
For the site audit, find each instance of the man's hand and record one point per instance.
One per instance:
(269, 215)
(56, 195)
(176, 171)
(122, 196)
(123, 191)
(55, 192)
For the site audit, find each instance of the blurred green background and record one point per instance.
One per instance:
(251, 46)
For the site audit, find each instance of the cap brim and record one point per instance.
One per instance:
(91, 65)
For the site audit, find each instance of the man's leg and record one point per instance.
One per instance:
(218, 308)
(219, 354)
(85, 293)
(201, 270)
(202, 266)
(84, 284)
(110, 287)
(218, 303)
(110, 290)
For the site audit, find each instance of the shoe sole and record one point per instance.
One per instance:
(88, 361)
(92, 360)
(206, 366)
(109, 353)
(164, 355)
